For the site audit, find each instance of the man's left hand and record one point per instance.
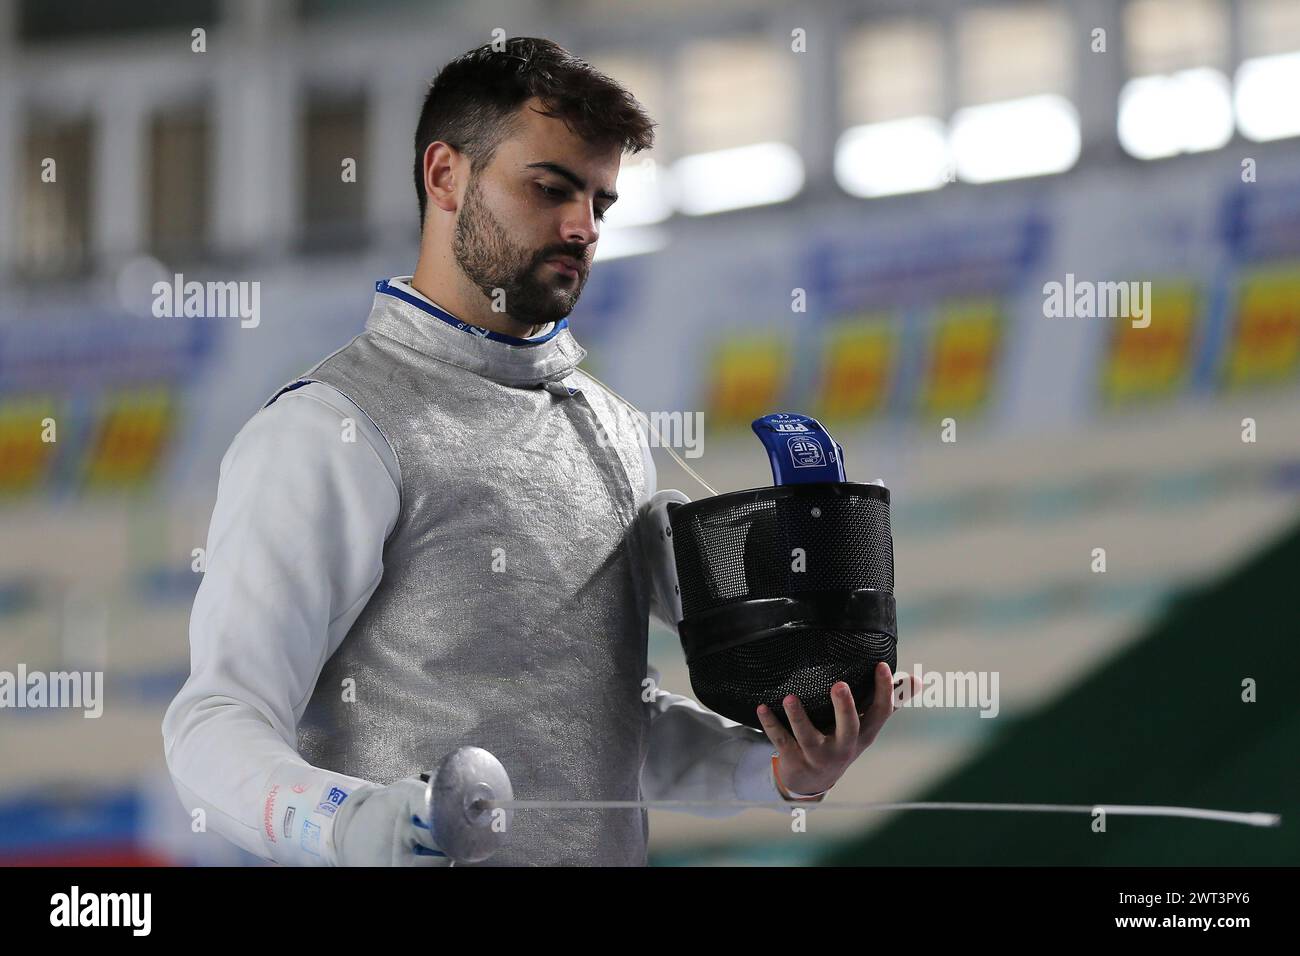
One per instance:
(810, 761)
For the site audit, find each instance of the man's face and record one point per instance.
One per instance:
(541, 197)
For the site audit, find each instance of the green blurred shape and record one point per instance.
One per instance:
(1163, 723)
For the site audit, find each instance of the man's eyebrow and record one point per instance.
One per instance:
(571, 176)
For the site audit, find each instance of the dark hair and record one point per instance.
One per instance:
(472, 102)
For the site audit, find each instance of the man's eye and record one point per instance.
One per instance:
(554, 193)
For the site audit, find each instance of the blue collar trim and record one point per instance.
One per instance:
(384, 287)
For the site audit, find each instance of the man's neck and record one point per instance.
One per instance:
(442, 282)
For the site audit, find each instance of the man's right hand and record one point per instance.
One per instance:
(386, 826)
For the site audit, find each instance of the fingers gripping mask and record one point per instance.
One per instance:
(780, 590)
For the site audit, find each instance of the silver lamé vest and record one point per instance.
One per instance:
(511, 613)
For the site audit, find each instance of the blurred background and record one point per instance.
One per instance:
(851, 211)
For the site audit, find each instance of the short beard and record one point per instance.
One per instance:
(496, 265)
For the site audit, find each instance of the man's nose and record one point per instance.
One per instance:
(581, 225)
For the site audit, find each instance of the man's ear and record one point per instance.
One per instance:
(444, 167)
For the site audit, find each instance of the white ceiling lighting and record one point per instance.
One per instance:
(644, 194)
(1267, 103)
(754, 175)
(1033, 136)
(900, 156)
(620, 243)
(1187, 112)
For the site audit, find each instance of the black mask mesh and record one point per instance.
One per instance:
(734, 550)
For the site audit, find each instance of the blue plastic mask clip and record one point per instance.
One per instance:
(800, 449)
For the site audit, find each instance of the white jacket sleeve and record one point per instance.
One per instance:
(294, 551)
(693, 753)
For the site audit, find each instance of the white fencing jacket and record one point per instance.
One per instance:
(294, 552)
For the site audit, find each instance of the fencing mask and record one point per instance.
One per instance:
(780, 590)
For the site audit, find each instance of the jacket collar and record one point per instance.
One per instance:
(405, 316)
